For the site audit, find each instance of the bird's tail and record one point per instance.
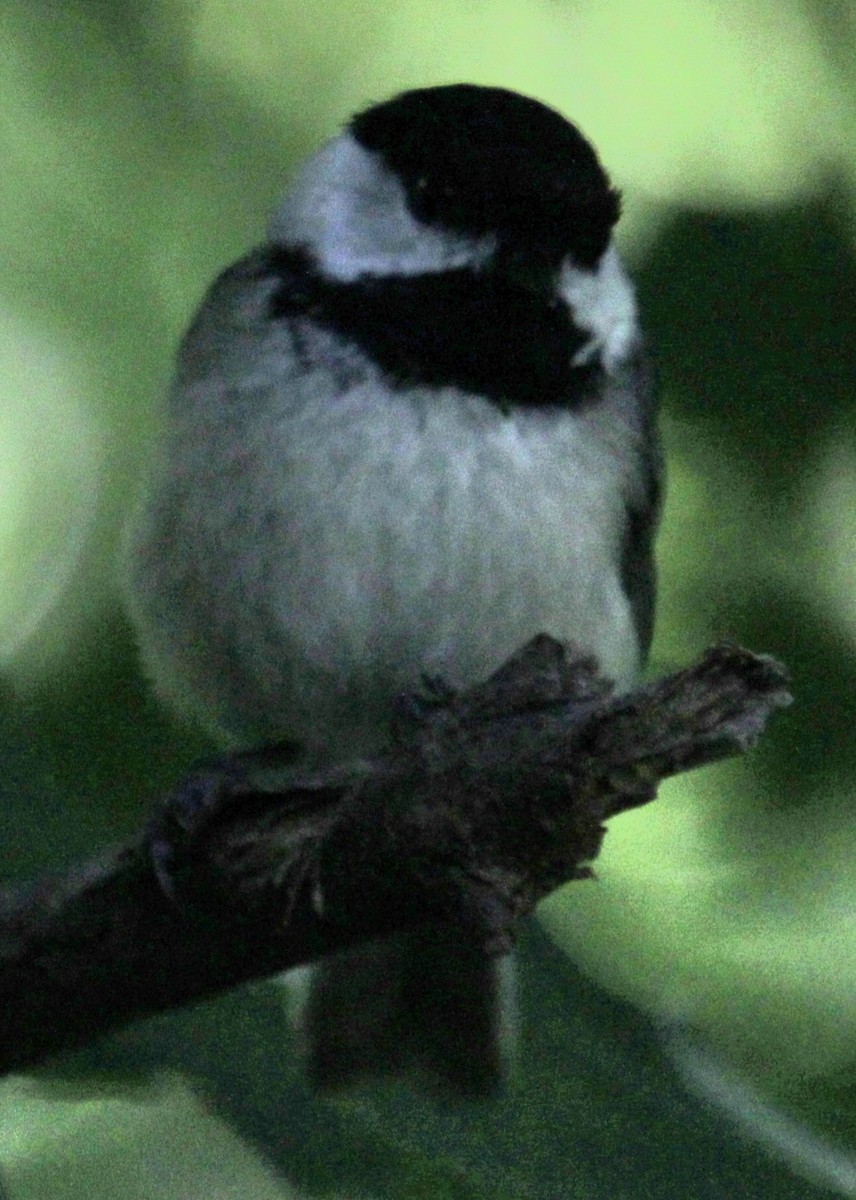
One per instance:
(425, 1003)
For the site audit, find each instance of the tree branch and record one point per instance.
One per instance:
(486, 801)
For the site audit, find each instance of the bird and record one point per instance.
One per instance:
(412, 429)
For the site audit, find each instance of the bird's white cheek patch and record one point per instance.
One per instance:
(350, 212)
(604, 305)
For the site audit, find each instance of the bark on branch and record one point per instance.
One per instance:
(486, 801)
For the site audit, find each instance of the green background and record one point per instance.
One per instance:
(142, 147)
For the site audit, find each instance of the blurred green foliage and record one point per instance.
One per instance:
(143, 146)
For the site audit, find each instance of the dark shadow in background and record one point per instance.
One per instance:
(753, 322)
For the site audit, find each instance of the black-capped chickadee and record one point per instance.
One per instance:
(409, 432)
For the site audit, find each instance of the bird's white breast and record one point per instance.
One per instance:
(331, 546)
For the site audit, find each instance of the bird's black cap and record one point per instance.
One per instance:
(485, 160)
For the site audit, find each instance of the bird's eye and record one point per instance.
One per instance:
(423, 200)
(434, 201)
